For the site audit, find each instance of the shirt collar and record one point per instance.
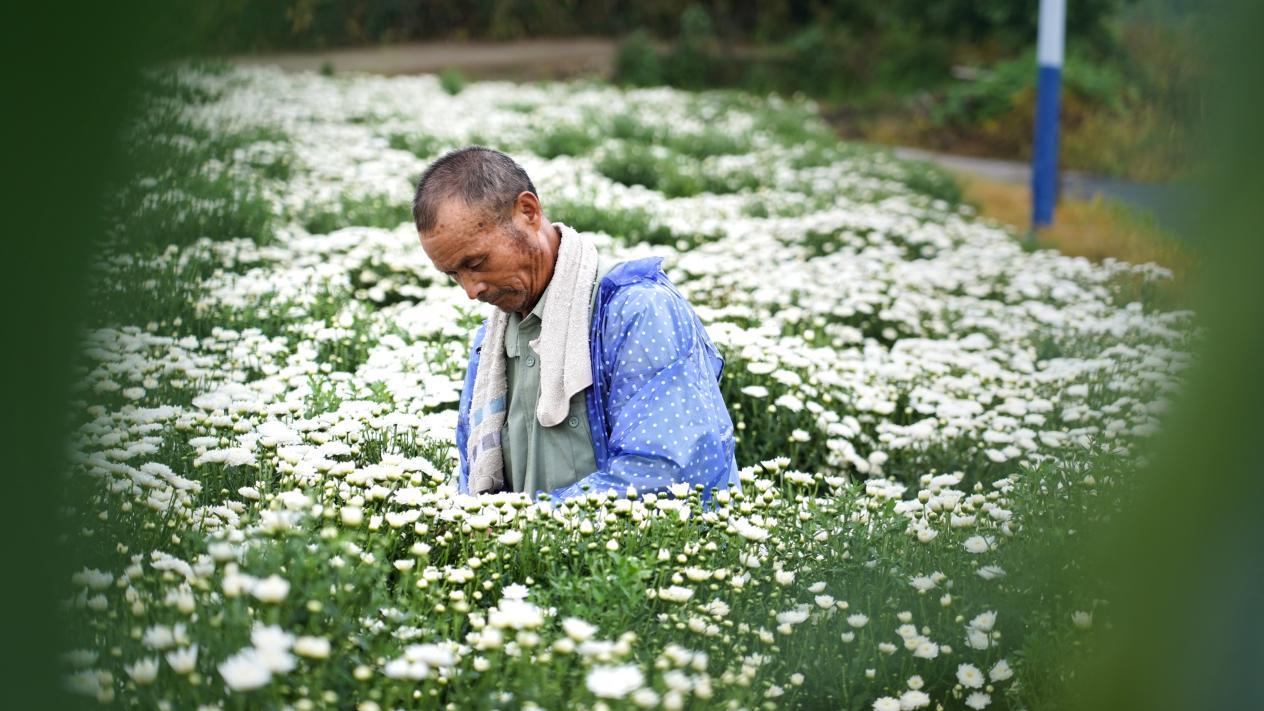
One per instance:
(515, 323)
(538, 309)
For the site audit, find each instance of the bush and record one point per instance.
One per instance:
(690, 62)
(636, 61)
(451, 81)
(633, 164)
(934, 182)
(668, 172)
(565, 140)
(180, 185)
(630, 225)
(363, 211)
(420, 145)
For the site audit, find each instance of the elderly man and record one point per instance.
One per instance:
(588, 376)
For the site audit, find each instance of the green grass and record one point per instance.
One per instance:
(566, 140)
(418, 144)
(361, 211)
(672, 174)
(630, 225)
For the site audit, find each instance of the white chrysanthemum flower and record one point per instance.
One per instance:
(976, 544)
(914, 699)
(144, 671)
(749, 531)
(984, 621)
(1000, 671)
(312, 647)
(978, 700)
(159, 637)
(351, 516)
(515, 591)
(926, 649)
(675, 593)
(244, 671)
(515, 614)
(793, 617)
(271, 637)
(977, 639)
(857, 620)
(510, 538)
(578, 629)
(222, 551)
(645, 698)
(922, 583)
(86, 682)
(433, 655)
(969, 676)
(277, 660)
(93, 578)
(564, 645)
(183, 661)
(614, 682)
(991, 572)
(271, 589)
(886, 703)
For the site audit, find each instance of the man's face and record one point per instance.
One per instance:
(498, 264)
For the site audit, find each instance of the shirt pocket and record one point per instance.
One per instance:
(580, 436)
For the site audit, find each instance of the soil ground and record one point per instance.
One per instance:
(520, 60)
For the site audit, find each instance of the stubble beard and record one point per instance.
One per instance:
(524, 245)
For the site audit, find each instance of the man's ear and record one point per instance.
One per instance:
(527, 206)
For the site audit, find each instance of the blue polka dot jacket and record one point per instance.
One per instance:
(654, 409)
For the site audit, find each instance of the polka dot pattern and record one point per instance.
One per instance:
(657, 373)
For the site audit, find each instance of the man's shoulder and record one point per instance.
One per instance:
(633, 271)
(641, 287)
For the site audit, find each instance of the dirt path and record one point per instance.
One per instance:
(1168, 202)
(527, 59)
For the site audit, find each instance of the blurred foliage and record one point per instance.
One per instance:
(203, 197)
(951, 75)
(994, 93)
(1129, 112)
(637, 61)
(451, 81)
(237, 25)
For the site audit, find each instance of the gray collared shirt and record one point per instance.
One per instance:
(539, 458)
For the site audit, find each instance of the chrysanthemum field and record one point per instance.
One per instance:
(931, 419)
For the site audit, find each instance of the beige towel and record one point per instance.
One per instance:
(565, 368)
(565, 364)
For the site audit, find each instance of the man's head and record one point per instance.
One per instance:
(479, 220)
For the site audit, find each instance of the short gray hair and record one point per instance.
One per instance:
(478, 176)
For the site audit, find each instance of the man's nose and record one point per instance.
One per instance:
(473, 287)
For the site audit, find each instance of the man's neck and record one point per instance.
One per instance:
(555, 247)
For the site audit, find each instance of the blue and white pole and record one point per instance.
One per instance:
(1044, 159)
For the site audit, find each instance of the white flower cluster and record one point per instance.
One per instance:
(267, 443)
